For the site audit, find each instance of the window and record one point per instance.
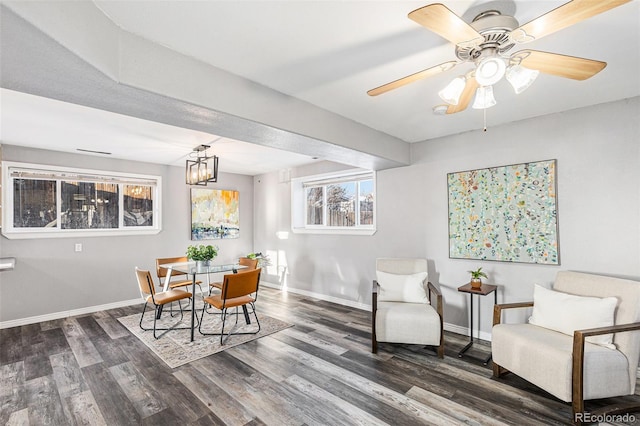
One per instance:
(48, 201)
(336, 203)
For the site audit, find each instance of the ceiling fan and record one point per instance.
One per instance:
(485, 43)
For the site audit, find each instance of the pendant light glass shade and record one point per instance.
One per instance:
(489, 71)
(484, 98)
(520, 77)
(440, 109)
(451, 93)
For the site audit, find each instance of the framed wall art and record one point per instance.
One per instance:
(215, 214)
(507, 213)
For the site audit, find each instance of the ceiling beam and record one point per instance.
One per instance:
(47, 51)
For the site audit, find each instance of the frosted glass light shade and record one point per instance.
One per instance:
(489, 71)
(451, 93)
(520, 77)
(484, 98)
(440, 109)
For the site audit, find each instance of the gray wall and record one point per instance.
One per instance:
(50, 277)
(598, 157)
(598, 153)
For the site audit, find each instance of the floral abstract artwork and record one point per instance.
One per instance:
(215, 214)
(506, 213)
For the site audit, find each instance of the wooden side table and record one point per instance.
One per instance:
(484, 290)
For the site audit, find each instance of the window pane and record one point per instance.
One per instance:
(138, 205)
(89, 205)
(366, 202)
(341, 204)
(34, 203)
(314, 206)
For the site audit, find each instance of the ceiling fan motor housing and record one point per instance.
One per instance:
(494, 28)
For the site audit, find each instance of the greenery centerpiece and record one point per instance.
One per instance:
(476, 278)
(263, 259)
(202, 254)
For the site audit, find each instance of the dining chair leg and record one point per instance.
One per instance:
(142, 316)
(155, 318)
(253, 307)
(204, 308)
(224, 317)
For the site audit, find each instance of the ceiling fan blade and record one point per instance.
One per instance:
(465, 98)
(442, 21)
(559, 65)
(562, 17)
(445, 66)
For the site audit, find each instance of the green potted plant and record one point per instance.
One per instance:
(263, 259)
(476, 278)
(202, 254)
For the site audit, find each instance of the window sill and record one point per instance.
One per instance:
(17, 235)
(334, 231)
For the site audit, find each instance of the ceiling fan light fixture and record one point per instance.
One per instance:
(520, 77)
(451, 93)
(490, 70)
(440, 109)
(484, 98)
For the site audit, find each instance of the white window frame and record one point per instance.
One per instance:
(60, 174)
(299, 203)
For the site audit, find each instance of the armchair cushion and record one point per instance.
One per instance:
(544, 358)
(412, 323)
(566, 313)
(402, 288)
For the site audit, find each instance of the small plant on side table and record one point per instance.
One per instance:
(476, 278)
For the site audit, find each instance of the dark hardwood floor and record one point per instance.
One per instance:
(91, 370)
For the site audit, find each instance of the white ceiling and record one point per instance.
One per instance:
(38, 122)
(329, 53)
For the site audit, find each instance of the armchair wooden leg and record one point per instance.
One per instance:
(577, 412)
(577, 382)
(441, 351)
(374, 342)
(499, 371)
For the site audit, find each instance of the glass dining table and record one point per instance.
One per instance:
(193, 270)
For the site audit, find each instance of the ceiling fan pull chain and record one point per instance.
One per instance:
(484, 114)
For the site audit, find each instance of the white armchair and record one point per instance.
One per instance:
(554, 352)
(402, 308)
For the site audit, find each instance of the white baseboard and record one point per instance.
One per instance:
(454, 328)
(66, 314)
(336, 300)
(458, 329)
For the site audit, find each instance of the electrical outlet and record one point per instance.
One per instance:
(78, 247)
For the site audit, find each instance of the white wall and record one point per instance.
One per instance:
(598, 153)
(50, 278)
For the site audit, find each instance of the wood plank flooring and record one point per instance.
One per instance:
(90, 370)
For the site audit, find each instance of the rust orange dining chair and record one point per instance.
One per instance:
(243, 261)
(238, 290)
(182, 280)
(158, 299)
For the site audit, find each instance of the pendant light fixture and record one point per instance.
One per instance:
(484, 98)
(451, 93)
(201, 169)
(490, 70)
(520, 77)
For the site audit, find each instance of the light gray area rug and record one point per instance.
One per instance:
(174, 346)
